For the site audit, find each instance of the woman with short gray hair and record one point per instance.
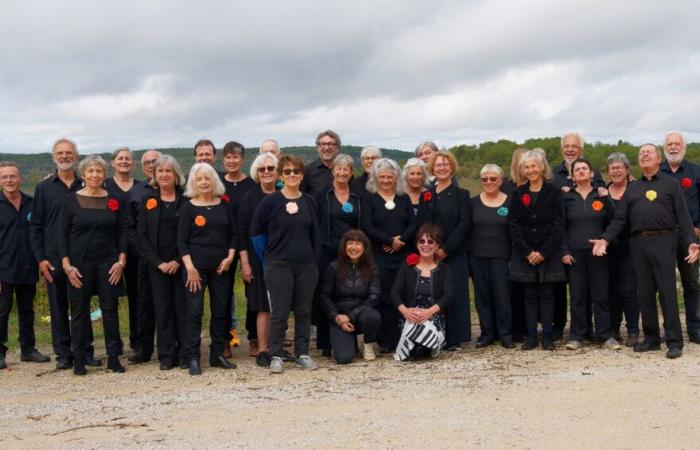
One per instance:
(368, 156)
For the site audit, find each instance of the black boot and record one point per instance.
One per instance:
(3, 364)
(547, 341)
(195, 368)
(114, 365)
(530, 342)
(79, 366)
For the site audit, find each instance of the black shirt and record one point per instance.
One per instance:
(135, 196)
(449, 209)
(167, 231)
(359, 184)
(115, 191)
(17, 263)
(585, 219)
(317, 176)
(48, 198)
(654, 204)
(382, 224)
(562, 178)
(235, 190)
(206, 233)
(337, 218)
(688, 176)
(620, 247)
(490, 234)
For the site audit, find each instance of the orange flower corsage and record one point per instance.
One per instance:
(200, 221)
(151, 204)
(597, 205)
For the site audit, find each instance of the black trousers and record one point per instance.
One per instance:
(95, 279)
(623, 294)
(691, 289)
(458, 324)
(517, 305)
(24, 292)
(492, 296)
(389, 331)
(654, 260)
(588, 283)
(132, 291)
(251, 323)
(218, 297)
(539, 303)
(560, 306)
(343, 343)
(146, 312)
(59, 307)
(170, 313)
(291, 287)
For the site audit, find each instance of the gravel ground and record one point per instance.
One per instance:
(493, 397)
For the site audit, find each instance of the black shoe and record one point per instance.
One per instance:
(184, 364)
(3, 364)
(483, 343)
(287, 357)
(507, 343)
(384, 350)
(79, 368)
(63, 364)
(166, 364)
(557, 335)
(646, 346)
(114, 365)
(530, 343)
(263, 359)
(451, 348)
(694, 338)
(138, 358)
(92, 361)
(34, 356)
(547, 342)
(674, 352)
(221, 362)
(326, 353)
(195, 368)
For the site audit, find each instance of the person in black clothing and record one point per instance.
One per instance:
(688, 176)
(447, 205)
(339, 211)
(263, 171)
(368, 156)
(206, 241)
(317, 174)
(146, 326)
(92, 244)
(536, 228)
(349, 294)
(390, 223)
(286, 236)
(421, 294)
(587, 211)
(43, 226)
(18, 270)
(236, 184)
(656, 211)
(489, 255)
(623, 285)
(414, 177)
(157, 239)
(119, 186)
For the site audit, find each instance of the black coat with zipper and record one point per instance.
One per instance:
(148, 222)
(404, 290)
(349, 296)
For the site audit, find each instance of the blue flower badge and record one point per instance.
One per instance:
(347, 207)
(279, 184)
(29, 216)
(502, 211)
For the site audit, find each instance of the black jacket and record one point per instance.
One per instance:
(330, 228)
(349, 296)
(147, 226)
(538, 226)
(404, 290)
(451, 210)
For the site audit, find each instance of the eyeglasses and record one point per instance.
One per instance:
(263, 169)
(489, 179)
(370, 158)
(423, 241)
(149, 162)
(288, 172)
(9, 177)
(327, 144)
(436, 165)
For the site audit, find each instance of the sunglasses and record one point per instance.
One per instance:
(291, 171)
(423, 241)
(263, 169)
(489, 179)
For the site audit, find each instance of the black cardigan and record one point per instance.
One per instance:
(404, 290)
(349, 296)
(147, 225)
(451, 210)
(539, 226)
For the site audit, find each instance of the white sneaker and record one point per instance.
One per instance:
(368, 352)
(573, 345)
(612, 344)
(305, 362)
(276, 365)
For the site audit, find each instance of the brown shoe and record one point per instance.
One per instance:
(227, 349)
(254, 350)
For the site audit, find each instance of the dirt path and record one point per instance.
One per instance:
(489, 398)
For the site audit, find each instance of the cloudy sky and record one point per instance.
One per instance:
(391, 73)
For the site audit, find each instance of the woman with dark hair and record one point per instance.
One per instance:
(206, 241)
(285, 233)
(339, 211)
(390, 223)
(422, 291)
(92, 244)
(587, 212)
(157, 240)
(536, 228)
(349, 295)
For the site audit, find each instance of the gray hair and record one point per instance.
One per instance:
(270, 140)
(92, 160)
(540, 156)
(64, 141)
(191, 190)
(413, 162)
(381, 165)
(370, 149)
(167, 159)
(617, 157)
(122, 149)
(343, 160)
(654, 146)
(572, 134)
(262, 157)
(430, 144)
(4, 164)
(491, 168)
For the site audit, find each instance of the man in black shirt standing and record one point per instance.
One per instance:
(688, 176)
(317, 174)
(43, 227)
(657, 215)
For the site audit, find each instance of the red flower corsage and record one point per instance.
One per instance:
(113, 204)
(686, 183)
(597, 205)
(412, 259)
(225, 198)
(200, 221)
(427, 196)
(526, 200)
(151, 204)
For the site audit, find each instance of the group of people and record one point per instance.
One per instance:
(385, 255)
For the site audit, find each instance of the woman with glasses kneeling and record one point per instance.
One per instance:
(349, 295)
(422, 291)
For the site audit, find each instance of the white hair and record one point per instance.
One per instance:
(257, 162)
(191, 190)
(414, 162)
(382, 165)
